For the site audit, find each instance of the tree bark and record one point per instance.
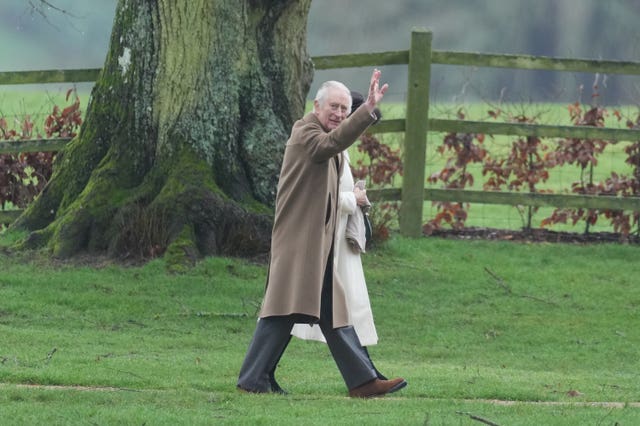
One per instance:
(184, 133)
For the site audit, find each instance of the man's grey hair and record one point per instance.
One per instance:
(321, 94)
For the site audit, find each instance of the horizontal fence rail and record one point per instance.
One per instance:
(514, 129)
(420, 52)
(356, 60)
(535, 63)
(49, 76)
(33, 145)
(602, 202)
(527, 62)
(539, 130)
(535, 199)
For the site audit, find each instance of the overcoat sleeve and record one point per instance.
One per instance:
(322, 145)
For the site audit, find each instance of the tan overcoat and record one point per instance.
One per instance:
(305, 218)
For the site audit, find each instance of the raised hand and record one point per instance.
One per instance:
(376, 93)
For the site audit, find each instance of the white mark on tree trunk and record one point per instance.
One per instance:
(125, 60)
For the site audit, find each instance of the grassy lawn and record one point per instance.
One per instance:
(515, 334)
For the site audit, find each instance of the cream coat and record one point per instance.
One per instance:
(349, 269)
(305, 218)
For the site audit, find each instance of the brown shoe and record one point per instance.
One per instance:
(377, 387)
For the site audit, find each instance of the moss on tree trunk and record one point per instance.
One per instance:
(184, 133)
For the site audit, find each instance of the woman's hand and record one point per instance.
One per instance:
(361, 196)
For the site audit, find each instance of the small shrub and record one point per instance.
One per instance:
(583, 153)
(524, 168)
(381, 166)
(466, 148)
(24, 175)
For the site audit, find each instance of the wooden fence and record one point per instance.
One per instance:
(416, 125)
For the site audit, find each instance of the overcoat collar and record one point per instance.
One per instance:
(339, 158)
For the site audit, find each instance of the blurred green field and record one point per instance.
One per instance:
(560, 178)
(17, 102)
(37, 101)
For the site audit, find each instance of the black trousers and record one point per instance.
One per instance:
(272, 335)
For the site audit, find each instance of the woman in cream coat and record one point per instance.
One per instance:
(349, 268)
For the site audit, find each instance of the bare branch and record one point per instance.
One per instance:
(42, 6)
(44, 3)
(507, 289)
(50, 355)
(498, 280)
(478, 418)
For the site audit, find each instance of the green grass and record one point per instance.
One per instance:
(135, 345)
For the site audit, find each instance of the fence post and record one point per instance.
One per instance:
(416, 126)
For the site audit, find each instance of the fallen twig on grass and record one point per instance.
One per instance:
(222, 314)
(69, 387)
(499, 280)
(478, 418)
(50, 355)
(508, 290)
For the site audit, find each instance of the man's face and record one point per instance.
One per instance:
(333, 109)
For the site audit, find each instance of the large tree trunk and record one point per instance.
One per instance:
(184, 132)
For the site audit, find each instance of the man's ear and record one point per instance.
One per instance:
(316, 106)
